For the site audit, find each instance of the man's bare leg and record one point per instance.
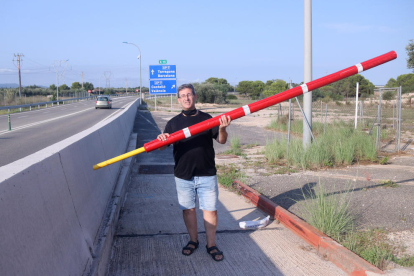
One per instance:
(210, 224)
(190, 220)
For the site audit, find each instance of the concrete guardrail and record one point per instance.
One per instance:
(52, 203)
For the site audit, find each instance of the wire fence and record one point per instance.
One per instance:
(383, 115)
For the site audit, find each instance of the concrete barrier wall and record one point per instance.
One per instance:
(52, 202)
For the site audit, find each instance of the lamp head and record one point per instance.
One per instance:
(138, 56)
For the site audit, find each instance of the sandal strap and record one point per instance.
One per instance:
(216, 253)
(209, 249)
(193, 243)
(189, 248)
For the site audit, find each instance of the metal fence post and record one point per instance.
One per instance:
(378, 140)
(393, 114)
(306, 119)
(398, 142)
(326, 115)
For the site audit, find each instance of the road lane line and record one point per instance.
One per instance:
(41, 122)
(2, 132)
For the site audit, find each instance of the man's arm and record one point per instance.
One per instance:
(163, 137)
(224, 123)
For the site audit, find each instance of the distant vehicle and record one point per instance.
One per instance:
(103, 102)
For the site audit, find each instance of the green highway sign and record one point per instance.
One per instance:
(162, 61)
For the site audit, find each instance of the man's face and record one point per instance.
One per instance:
(187, 99)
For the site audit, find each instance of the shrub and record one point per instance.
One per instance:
(207, 93)
(231, 97)
(388, 95)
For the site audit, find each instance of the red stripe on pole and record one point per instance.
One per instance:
(275, 99)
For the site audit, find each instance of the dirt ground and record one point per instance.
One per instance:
(376, 206)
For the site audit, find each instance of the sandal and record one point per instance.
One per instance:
(214, 254)
(191, 249)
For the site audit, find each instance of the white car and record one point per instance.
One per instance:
(103, 102)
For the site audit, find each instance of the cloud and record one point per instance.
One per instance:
(6, 70)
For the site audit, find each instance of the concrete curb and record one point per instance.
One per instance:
(325, 246)
(103, 247)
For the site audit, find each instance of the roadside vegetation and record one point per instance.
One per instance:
(333, 216)
(227, 174)
(341, 145)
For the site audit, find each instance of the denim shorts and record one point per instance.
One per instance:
(204, 186)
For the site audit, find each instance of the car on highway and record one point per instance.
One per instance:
(103, 102)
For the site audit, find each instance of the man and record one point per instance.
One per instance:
(195, 170)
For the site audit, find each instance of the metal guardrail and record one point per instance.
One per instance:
(160, 96)
(57, 102)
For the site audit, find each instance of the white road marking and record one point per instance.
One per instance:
(41, 122)
(21, 117)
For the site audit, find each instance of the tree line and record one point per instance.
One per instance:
(214, 90)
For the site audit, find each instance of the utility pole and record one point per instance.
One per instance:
(56, 65)
(82, 79)
(126, 86)
(307, 97)
(107, 75)
(18, 67)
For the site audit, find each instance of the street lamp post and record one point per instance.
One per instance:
(140, 58)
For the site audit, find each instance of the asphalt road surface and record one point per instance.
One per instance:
(38, 129)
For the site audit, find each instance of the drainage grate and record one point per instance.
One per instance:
(156, 169)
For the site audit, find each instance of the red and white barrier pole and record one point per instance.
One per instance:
(256, 106)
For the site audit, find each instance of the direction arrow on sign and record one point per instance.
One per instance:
(162, 72)
(160, 87)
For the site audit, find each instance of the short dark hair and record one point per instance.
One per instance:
(184, 86)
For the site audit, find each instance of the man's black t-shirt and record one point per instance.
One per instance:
(193, 156)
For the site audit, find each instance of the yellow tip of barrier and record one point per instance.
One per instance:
(118, 158)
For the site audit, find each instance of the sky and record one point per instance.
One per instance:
(236, 40)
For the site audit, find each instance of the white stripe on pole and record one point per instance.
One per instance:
(359, 67)
(187, 132)
(246, 110)
(304, 88)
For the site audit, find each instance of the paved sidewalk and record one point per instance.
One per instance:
(151, 231)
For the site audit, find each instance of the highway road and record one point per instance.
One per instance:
(38, 129)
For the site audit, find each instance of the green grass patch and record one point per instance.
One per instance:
(389, 184)
(330, 214)
(374, 246)
(235, 147)
(341, 145)
(384, 160)
(226, 175)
